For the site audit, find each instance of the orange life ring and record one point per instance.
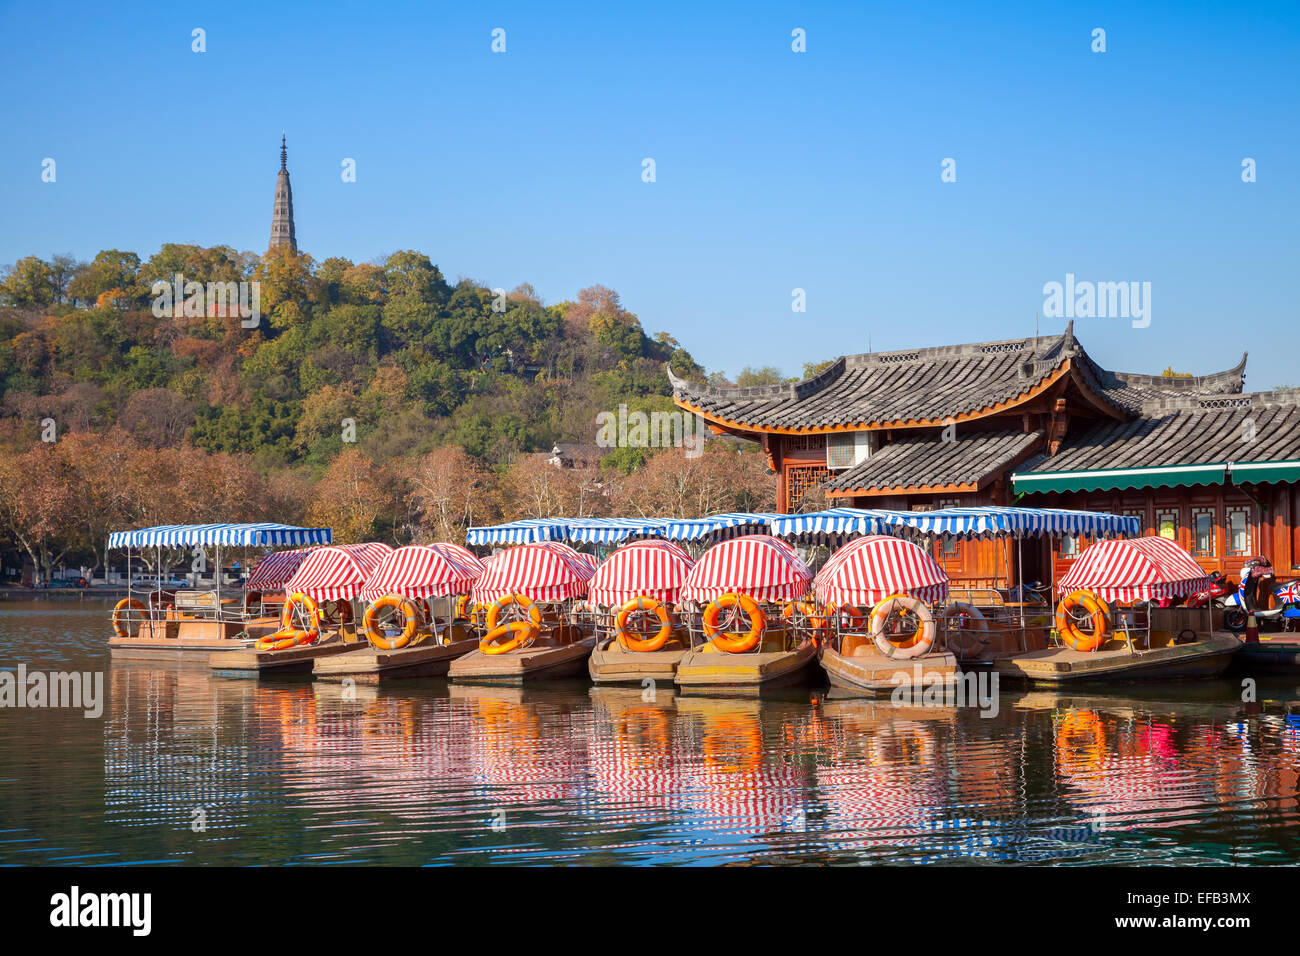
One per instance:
(1072, 756)
(919, 643)
(463, 607)
(724, 642)
(522, 601)
(522, 634)
(817, 618)
(410, 622)
(643, 644)
(1070, 632)
(118, 609)
(281, 640)
(308, 635)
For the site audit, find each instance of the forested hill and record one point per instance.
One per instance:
(412, 359)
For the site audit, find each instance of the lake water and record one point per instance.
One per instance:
(184, 767)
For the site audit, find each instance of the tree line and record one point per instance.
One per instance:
(377, 398)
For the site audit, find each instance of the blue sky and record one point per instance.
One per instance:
(775, 170)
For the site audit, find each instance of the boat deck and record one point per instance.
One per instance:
(1207, 657)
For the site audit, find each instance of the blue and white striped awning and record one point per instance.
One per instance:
(525, 531)
(993, 521)
(258, 535)
(612, 530)
(718, 527)
(824, 526)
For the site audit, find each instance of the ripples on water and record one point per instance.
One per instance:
(186, 767)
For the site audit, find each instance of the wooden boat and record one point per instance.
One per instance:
(612, 663)
(859, 666)
(192, 624)
(1167, 658)
(531, 587)
(748, 641)
(370, 665)
(321, 598)
(777, 662)
(428, 582)
(640, 584)
(561, 651)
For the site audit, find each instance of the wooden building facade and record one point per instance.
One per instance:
(1034, 422)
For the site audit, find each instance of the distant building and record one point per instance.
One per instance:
(282, 231)
(575, 455)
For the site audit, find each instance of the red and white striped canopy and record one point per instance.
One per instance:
(758, 565)
(1135, 569)
(274, 570)
(337, 572)
(869, 569)
(641, 569)
(542, 570)
(419, 571)
(459, 553)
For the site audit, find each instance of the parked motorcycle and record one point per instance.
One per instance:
(1258, 585)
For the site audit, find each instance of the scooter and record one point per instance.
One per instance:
(1220, 587)
(1257, 585)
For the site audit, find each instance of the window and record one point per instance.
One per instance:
(800, 482)
(1167, 523)
(1069, 546)
(1238, 529)
(1203, 522)
(1140, 514)
(949, 545)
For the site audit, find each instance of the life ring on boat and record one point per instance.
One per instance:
(916, 645)
(972, 624)
(118, 614)
(724, 642)
(521, 601)
(308, 635)
(520, 633)
(1070, 632)
(463, 607)
(280, 640)
(410, 622)
(643, 644)
(1073, 756)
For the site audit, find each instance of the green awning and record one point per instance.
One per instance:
(1250, 472)
(1110, 479)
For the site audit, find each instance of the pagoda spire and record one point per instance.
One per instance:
(282, 231)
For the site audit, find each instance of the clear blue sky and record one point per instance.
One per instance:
(775, 170)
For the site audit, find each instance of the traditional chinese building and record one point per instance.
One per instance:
(1034, 422)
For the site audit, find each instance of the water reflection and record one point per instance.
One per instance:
(191, 768)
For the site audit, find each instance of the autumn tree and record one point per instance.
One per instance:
(450, 491)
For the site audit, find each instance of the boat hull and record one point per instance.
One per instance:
(874, 673)
(703, 671)
(1269, 656)
(250, 662)
(1208, 657)
(372, 665)
(523, 666)
(611, 664)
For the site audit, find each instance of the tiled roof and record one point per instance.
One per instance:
(933, 384)
(929, 462)
(1263, 426)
